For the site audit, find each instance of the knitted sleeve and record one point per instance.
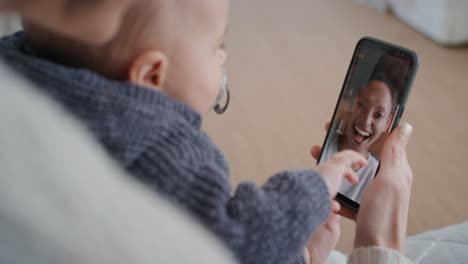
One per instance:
(267, 224)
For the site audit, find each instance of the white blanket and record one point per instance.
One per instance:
(445, 21)
(448, 245)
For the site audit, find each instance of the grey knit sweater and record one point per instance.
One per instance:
(159, 141)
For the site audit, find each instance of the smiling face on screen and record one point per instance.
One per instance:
(371, 117)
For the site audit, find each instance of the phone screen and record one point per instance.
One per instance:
(371, 103)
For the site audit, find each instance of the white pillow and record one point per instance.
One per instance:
(445, 21)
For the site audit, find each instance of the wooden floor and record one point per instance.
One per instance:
(287, 61)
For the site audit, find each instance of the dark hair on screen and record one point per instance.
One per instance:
(394, 72)
(395, 92)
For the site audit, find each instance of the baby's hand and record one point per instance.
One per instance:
(341, 166)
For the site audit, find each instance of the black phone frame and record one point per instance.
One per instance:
(342, 199)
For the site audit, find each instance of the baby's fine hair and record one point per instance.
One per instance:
(111, 59)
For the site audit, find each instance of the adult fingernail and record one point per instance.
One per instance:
(405, 133)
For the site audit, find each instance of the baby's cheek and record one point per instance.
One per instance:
(212, 88)
(218, 81)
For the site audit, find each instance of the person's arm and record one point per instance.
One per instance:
(383, 215)
(267, 224)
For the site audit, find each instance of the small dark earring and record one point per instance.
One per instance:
(220, 110)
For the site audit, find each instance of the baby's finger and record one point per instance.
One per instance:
(335, 218)
(351, 177)
(315, 151)
(333, 221)
(349, 158)
(356, 167)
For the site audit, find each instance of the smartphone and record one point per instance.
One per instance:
(371, 104)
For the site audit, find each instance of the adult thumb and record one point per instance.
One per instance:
(404, 133)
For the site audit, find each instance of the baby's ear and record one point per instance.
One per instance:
(149, 69)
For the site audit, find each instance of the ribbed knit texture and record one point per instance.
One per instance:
(159, 141)
(377, 255)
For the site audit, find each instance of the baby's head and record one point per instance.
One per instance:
(92, 21)
(174, 46)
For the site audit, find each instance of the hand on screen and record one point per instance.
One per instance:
(336, 208)
(340, 166)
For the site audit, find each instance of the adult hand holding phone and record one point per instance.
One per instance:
(383, 215)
